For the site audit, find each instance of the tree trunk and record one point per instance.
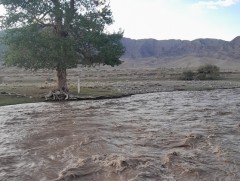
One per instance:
(62, 92)
(62, 80)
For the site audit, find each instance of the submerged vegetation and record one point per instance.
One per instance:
(12, 100)
(10, 95)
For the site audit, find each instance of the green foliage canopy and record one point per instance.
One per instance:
(59, 34)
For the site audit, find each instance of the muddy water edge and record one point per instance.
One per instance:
(158, 136)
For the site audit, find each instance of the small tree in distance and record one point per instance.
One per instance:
(205, 72)
(59, 35)
(187, 75)
(208, 72)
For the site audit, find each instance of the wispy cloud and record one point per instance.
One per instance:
(215, 4)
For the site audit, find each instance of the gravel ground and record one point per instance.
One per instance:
(126, 81)
(140, 87)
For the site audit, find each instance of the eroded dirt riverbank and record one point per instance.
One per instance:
(158, 136)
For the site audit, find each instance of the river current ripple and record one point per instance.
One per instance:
(158, 136)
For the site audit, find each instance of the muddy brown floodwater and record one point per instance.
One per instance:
(159, 136)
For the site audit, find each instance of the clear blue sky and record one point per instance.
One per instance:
(177, 19)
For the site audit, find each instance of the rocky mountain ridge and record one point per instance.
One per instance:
(172, 49)
(178, 53)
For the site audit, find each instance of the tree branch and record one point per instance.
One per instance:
(69, 14)
(58, 15)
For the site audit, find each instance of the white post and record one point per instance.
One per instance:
(78, 84)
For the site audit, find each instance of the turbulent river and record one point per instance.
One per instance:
(160, 136)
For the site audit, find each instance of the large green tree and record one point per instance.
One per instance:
(59, 34)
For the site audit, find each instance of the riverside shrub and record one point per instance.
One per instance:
(205, 72)
(187, 75)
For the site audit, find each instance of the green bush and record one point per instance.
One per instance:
(207, 72)
(187, 75)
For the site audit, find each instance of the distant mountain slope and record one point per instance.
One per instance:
(178, 53)
(178, 48)
(182, 53)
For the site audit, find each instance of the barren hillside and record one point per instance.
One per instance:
(178, 53)
(182, 53)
